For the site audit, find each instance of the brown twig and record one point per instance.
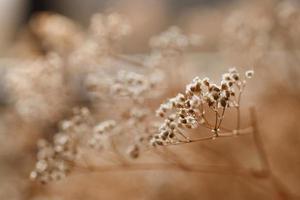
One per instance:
(220, 135)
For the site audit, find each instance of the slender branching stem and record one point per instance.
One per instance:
(245, 131)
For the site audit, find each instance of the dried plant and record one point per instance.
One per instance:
(80, 132)
(99, 109)
(190, 109)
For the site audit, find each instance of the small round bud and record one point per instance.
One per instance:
(215, 95)
(172, 135)
(224, 86)
(160, 113)
(249, 74)
(235, 77)
(206, 81)
(173, 125)
(223, 102)
(33, 175)
(183, 120)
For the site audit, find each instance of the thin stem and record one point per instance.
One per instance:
(238, 110)
(206, 122)
(282, 191)
(216, 124)
(182, 134)
(128, 60)
(220, 135)
(222, 117)
(210, 127)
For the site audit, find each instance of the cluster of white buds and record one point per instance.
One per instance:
(137, 119)
(101, 134)
(168, 132)
(173, 39)
(56, 159)
(188, 109)
(249, 74)
(52, 163)
(131, 84)
(141, 126)
(112, 27)
(81, 116)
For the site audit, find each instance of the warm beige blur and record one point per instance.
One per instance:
(57, 64)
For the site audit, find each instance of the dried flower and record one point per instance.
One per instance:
(56, 159)
(187, 111)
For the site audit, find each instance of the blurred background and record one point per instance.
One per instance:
(36, 93)
(147, 17)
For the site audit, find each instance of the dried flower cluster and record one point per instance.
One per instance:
(173, 40)
(55, 160)
(185, 111)
(134, 85)
(188, 110)
(132, 128)
(136, 88)
(101, 134)
(77, 101)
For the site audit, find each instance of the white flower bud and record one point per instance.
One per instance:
(249, 74)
